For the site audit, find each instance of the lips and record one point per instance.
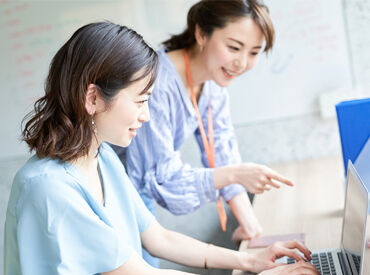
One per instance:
(133, 131)
(229, 74)
(135, 128)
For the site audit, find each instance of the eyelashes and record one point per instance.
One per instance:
(233, 48)
(236, 49)
(142, 102)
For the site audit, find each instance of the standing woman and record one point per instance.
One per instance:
(223, 40)
(72, 208)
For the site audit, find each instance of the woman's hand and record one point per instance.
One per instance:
(299, 268)
(266, 258)
(258, 178)
(242, 209)
(253, 230)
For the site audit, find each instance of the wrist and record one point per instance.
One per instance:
(246, 261)
(233, 174)
(223, 176)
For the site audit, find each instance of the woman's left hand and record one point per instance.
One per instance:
(253, 230)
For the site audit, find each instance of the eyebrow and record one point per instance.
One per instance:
(242, 44)
(146, 92)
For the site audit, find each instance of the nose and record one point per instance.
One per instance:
(241, 62)
(144, 115)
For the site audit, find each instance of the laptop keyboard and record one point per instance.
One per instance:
(322, 261)
(357, 261)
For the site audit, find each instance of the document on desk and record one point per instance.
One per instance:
(265, 241)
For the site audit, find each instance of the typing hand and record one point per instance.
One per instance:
(299, 268)
(266, 258)
(259, 178)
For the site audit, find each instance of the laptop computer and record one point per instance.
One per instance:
(347, 260)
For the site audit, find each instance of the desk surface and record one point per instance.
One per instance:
(313, 206)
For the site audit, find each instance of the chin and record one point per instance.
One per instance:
(121, 143)
(125, 144)
(224, 83)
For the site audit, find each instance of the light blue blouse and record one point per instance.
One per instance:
(153, 158)
(55, 226)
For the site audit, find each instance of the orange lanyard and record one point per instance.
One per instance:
(207, 143)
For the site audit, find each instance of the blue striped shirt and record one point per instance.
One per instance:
(153, 158)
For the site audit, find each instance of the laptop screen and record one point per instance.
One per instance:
(354, 223)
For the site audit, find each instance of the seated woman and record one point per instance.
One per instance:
(70, 211)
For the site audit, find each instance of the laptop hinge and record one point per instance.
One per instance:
(343, 263)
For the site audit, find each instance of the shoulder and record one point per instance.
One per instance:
(167, 87)
(40, 172)
(42, 184)
(168, 76)
(166, 67)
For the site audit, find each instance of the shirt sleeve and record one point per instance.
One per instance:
(58, 233)
(225, 143)
(174, 185)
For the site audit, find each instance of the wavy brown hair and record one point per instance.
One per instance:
(105, 54)
(216, 14)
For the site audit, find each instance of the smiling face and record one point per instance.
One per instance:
(232, 50)
(118, 123)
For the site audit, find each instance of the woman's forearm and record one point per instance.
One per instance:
(198, 254)
(185, 250)
(242, 209)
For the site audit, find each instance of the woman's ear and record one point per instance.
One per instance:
(200, 37)
(90, 99)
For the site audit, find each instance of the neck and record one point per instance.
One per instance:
(197, 67)
(90, 160)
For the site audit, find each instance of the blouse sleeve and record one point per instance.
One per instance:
(225, 143)
(153, 160)
(59, 233)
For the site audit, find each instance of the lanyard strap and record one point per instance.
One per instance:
(207, 143)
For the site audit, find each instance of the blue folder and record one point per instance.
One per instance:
(354, 127)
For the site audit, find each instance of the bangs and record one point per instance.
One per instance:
(262, 18)
(152, 70)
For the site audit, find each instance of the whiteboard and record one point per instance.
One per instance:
(30, 33)
(310, 57)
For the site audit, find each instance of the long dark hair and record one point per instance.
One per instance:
(104, 54)
(212, 14)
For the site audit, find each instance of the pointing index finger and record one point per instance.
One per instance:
(276, 176)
